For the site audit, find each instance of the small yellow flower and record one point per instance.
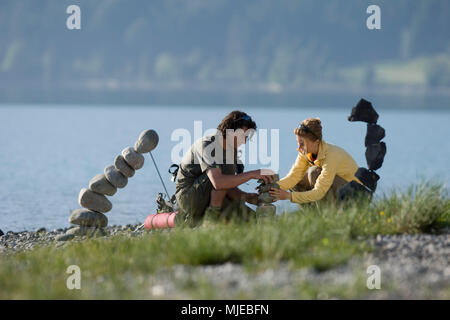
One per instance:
(364, 221)
(381, 213)
(388, 220)
(325, 241)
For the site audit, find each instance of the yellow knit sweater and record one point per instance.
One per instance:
(332, 159)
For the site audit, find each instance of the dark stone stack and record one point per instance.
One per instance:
(375, 148)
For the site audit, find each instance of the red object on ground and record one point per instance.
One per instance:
(162, 220)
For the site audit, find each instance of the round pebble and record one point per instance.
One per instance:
(116, 178)
(134, 159)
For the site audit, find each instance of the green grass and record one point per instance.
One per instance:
(318, 237)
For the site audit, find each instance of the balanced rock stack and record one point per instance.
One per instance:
(265, 207)
(91, 218)
(375, 148)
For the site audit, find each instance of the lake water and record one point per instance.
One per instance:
(49, 153)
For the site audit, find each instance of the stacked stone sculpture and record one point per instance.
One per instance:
(91, 218)
(265, 207)
(375, 148)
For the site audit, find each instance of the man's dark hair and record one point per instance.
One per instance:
(236, 120)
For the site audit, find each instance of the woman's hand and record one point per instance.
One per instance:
(279, 194)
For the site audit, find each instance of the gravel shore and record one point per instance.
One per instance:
(412, 267)
(27, 240)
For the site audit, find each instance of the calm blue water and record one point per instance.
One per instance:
(49, 153)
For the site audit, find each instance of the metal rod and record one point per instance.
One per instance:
(160, 178)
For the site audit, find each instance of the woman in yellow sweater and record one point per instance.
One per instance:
(320, 170)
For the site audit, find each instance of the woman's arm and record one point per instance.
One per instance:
(323, 183)
(296, 173)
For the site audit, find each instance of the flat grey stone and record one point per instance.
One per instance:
(100, 184)
(147, 141)
(86, 231)
(73, 231)
(94, 201)
(88, 218)
(116, 178)
(123, 167)
(134, 159)
(64, 237)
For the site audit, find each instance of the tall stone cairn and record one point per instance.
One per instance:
(375, 148)
(91, 218)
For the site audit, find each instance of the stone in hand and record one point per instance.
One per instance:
(275, 178)
(265, 198)
(266, 187)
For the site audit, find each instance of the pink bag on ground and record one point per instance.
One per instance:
(162, 220)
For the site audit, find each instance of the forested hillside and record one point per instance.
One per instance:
(220, 46)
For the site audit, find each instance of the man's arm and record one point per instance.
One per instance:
(222, 181)
(238, 194)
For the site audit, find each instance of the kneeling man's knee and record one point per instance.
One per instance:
(217, 197)
(313, 174)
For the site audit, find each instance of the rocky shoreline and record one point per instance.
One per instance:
(28, 240)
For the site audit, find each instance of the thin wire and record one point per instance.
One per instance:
(160, 178)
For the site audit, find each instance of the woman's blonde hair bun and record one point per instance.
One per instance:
(314, 131)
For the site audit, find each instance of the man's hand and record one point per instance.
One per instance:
(280, 194)
(222, 181)
(252, 198)
(264, 174)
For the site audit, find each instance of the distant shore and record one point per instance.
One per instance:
(403, 98)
